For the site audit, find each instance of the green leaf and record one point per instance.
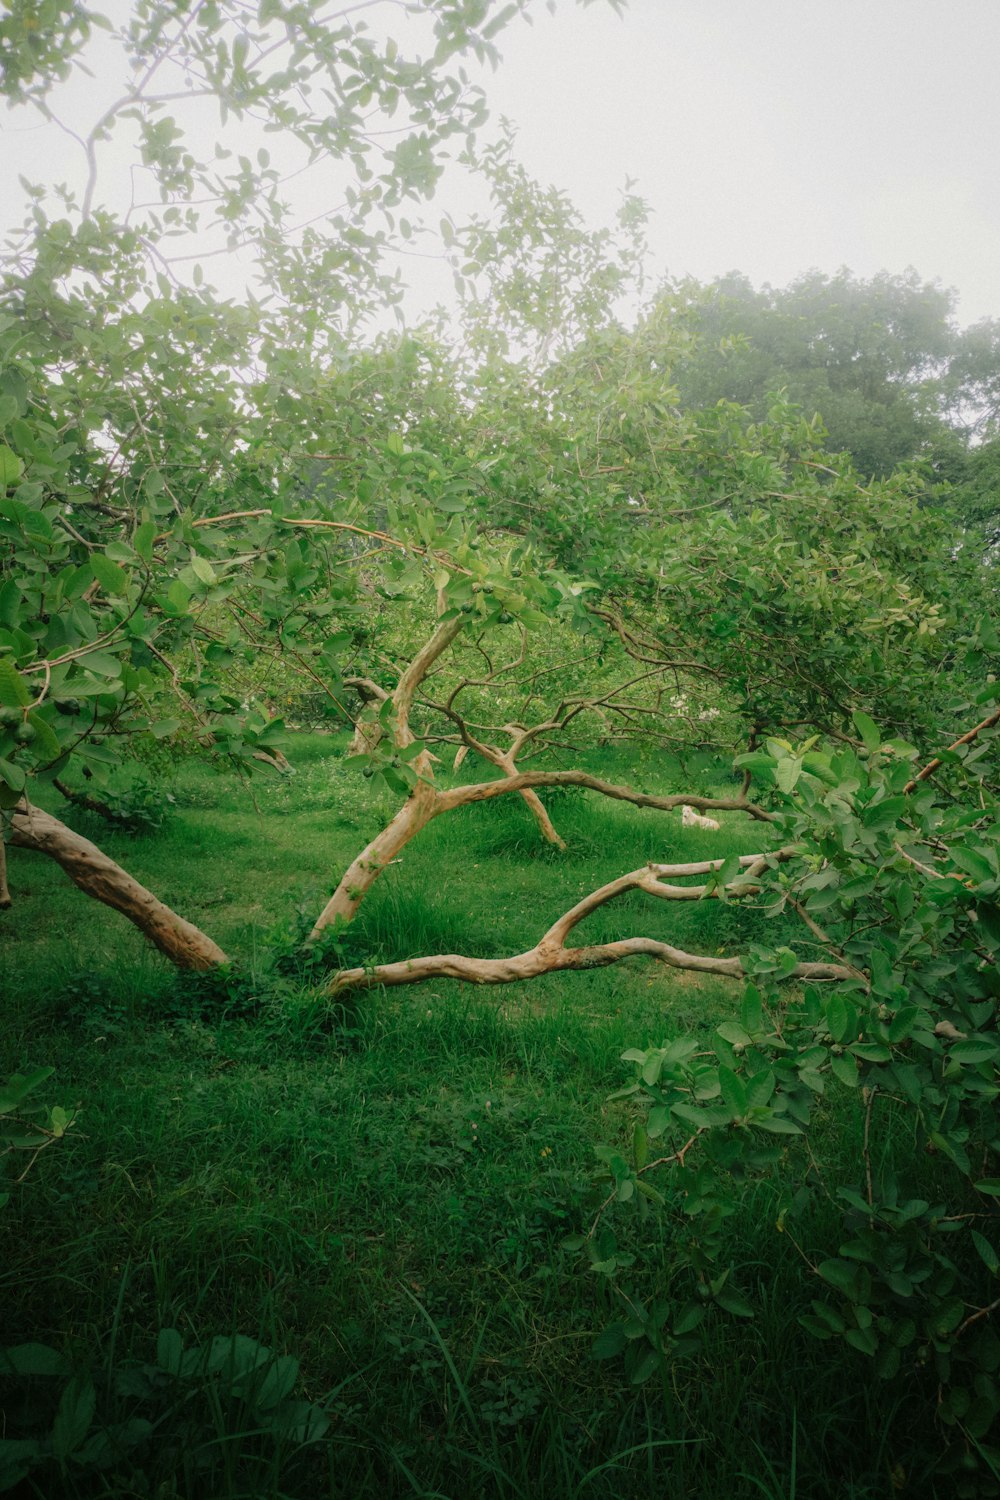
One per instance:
(973, 863)
(10, 605)
(202, 569)
(841, 1018)
(450, 504)
(974, 1049)
(986, 1251)
(32, 1359)
(840, 1275)
(732, 1032)
(989, 919)
(863, 1339)
(45, 747)
(778, 1125)
(11, 467)
(886, 814)
(640, 1146)
(169, 1350)
(733, 1091)
(868, 730)
(14, 777)
(73, 1417)
(846, 1070)
(733, 1302)
(787, 773)
(112, 578)
(18, 1456)
(610, 1342)
(143, 540)
(13, 689)
(645, 1366)
(755, 760)
(278, 1382)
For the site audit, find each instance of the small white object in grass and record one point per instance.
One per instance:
(692, 819)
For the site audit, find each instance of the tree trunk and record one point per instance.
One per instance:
(98, 876)
(415, 813)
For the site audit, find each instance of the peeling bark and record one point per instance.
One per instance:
(98, 876)
(550, 955)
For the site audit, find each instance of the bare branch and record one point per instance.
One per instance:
(550, 955)
(483, 791)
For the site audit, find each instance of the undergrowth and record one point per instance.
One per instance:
(380, 1193)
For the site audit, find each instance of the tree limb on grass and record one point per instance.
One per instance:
(98, 876)
(550, 955)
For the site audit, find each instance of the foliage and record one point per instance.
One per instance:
(901, 880)
(27, 1127)
(207, 1417)
(866, 356)
(533, 545)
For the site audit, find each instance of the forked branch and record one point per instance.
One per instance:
(551, 955)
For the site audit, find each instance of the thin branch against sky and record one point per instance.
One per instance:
(768, 137)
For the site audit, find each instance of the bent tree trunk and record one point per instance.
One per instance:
(98, 876)
(415, 813)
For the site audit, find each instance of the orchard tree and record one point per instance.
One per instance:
(194, 484)
(484, 552)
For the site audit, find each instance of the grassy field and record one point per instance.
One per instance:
(386, 1199)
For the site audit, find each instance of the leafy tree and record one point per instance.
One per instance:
(865, 356)
(521, 544)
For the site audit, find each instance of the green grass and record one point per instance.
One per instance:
(387, 1200)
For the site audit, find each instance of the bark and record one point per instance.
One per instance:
(551, 955)
(523, 780)
(98, 876)
(504, 761)
(963, 739)
(367, 730)
(85, 801)
(420, 807)
(5, 901)
(415, 813)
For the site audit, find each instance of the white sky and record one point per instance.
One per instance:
(769, 136)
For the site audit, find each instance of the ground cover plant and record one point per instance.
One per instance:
(539, 608)
(241, 1166)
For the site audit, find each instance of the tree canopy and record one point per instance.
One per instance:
(575, 523)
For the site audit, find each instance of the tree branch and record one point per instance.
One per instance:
(550, 955)
(483, 791)
(98, 876)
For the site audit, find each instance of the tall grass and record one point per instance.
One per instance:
(387, 1198)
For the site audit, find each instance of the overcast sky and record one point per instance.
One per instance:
(769, 136)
